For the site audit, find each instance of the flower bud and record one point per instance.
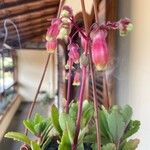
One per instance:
(66, 12)
(125, 26)
(84, 60)
(64, 33)
(76, 81)
(51, 46)
(73, 52)
(53, 30)
(100, 54)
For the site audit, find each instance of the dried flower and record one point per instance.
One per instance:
(100, 54)
(73, 52)
(53, 30)
(76, 81)
(51, 46)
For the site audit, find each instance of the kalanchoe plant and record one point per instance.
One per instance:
(73, 129)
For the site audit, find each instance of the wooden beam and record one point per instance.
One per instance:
(30, 32)
(10, 3)
(27, 8)
(33, 15)
(30, 28)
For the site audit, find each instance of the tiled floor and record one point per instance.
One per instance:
(16, 124)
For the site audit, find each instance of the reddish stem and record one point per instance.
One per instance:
(69, 85)
(80, 103)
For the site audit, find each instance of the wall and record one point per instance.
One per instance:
(30, 68)
(133, 74)
(8, 115)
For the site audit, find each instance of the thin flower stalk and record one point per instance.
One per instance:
(69, 85)
(97, 121)
(80, 103)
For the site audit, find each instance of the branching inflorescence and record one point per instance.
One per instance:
(94, 41)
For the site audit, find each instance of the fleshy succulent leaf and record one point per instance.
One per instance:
(29, 125)
(109, 146)
(126, 112)
(132, 128)
(131, 144)
(65, 142)
(35, 146)
(55, 119)
(116, 125)
(18, 137)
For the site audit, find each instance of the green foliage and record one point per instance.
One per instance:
(132, 128)
(116, 126)
(109, 146)
(55, 118)
(36, 125)
(131, 144)
(65, 142)
(35, 146)
(18, 137)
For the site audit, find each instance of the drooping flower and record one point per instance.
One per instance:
(54, 29)
(100, 53)
(125, 26)
(76, 81)
(64, 32)
(74, 52)
(51, 46)
(66, 12)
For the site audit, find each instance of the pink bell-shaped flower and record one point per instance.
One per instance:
(51, 46)
(53, 30)
(76, 81)
(73, 52)
(100, 53)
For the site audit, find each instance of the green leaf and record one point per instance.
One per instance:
(131, 144)
(94, 146)
(65, 142)
(126, 113)
(38, 118)
(55, 119)
(90, 137)
(87, 113)
(46, 143)
(70, 124)
(62, 121)
(80, 146)
(35, 146)
(116, 125)
(132, 128)
(18, 136)
(82, 134)
(109, 146)
(40, 127)
(28, 124)
(104, 125)
(73, 110)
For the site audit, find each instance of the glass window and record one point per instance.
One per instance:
(7, 77)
